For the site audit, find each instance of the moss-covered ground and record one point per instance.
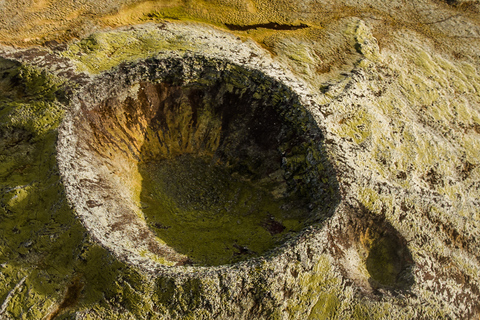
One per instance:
(215, 217)
(423, 103)
(48, 264)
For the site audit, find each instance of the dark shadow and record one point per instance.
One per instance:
(270, 25)
(388, 260)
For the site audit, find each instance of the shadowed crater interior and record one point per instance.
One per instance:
(221, 162)
(375, 256)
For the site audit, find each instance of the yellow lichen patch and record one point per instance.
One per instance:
(319, 284)
(17, 196)
(471, 143)
(356, 126)
(157, 258)
(214, 12)
(418, 90)
(40, 5)
(370, 199)
(102, 51)
(326, 306)
(138, 12)
(296, 52)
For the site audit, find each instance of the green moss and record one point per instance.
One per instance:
(164, 290)
(32, 239)
(102, 51)
(317, 288)
(183, 296)
(26, 83)
(29, 99)
(38, 117)
(383, 262)
(202, 210)
(41, 237)
(326, 307)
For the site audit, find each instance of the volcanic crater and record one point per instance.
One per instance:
(193, 161)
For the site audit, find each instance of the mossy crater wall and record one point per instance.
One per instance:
(275, 179)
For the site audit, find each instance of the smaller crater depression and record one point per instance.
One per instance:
(198, 161)
(375, 255)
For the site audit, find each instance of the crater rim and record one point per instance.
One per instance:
(128, 74)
